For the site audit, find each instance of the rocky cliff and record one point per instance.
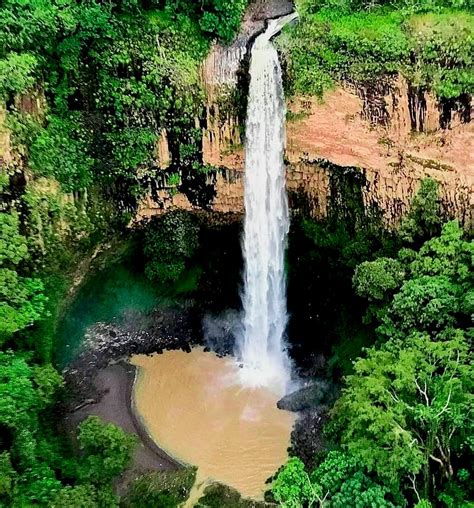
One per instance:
(383, 137)
(386, 134)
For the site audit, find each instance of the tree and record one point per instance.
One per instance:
(448, 254)
(25, 392)
(406, 411)
(160, 489)
(219, 18)
(169, 242)
(337, 482)
(61, 150)
(404, 414)
(16, 73)
(427, 290)
(7, 477)
(377, 279)
(222, 18)
(429, 303)
(21, 298)
(292, 487)
(85, 496)
(106, 450)
(423, 220)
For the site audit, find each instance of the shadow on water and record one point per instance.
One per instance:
(117, 292)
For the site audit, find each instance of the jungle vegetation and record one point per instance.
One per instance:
(86, 89)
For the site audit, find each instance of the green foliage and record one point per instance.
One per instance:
(403, 419)
(222, 18)
(169, 242)
(25, 392)
(47, 382)
(437, 292)
(58, 228)
(374, 279)
(218, 495)
(131, 148)
(428, 303)
(61, 151)
(161, 489)
(442, 46)
(21, 302)
(85, 496)
(89, 86)
(29, 469)
(7, 476)
(363, 42)
(427, 290)
(115, 76)
(337, 482)
(423, 220)
(107, 450)
(21, 298)
(344, 483)
(13, 246)
(448, 254)
(17, 73)
(423, 504)
(406, 408)
(292, 487)
(219, 18)
(404, 413)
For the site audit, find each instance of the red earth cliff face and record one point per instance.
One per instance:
(394, 138)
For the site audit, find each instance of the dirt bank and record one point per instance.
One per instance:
(115, 384)
(100, 380)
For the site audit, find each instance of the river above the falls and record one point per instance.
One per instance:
(194, 407)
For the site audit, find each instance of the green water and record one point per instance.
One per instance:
(114, 294)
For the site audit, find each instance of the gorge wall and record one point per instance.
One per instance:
(385, 136)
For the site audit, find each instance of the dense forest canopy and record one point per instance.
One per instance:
(103, 79)
(401, 429)
(86, 89)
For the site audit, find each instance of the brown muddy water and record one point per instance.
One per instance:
(194, 408)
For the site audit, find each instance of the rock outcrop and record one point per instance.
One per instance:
(391, 134)
(348, 132)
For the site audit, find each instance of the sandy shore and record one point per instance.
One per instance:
(115, 383)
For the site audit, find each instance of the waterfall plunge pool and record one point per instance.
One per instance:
(194, 408)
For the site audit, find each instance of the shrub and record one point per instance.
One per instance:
(107, 450)
(161, 489)
(169, 242)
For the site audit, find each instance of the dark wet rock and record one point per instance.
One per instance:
(307, 438)
(318, 393)
(107, 343)
(312, 403)
(220, 330)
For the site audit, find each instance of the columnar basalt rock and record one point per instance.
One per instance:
(394, 135)
(5, 145)
(392, 156)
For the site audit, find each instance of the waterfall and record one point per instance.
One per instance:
(261, 343)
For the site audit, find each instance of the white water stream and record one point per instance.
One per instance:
(261, 345)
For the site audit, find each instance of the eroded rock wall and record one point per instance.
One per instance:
(392, 155)
(394, 136)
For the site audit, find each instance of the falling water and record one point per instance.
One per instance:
(261, 346)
